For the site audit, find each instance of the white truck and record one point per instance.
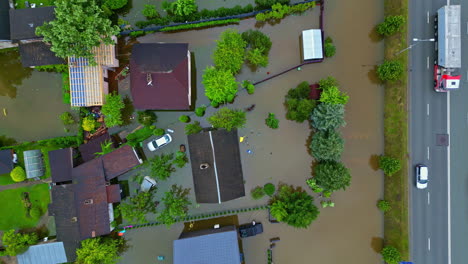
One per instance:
(448, 45)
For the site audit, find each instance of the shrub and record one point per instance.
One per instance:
(279, 11)
(35, 212)
(312, 183)
(330, 49)
(327, 145)
(184, 118)
(384, 206)
(89, 124)
(228, 119)
(390, 70)
(16, 243)
(389, 165)
(59, 68)
(161, 166)
(67, 118)
(66, 99)
(256, 58)
(202, 24)
(112, 110)
(180, 159)
(18, 174)
(298, 104)
(265, 4)
(116, 4)
(271, 121)
(332, 175)
(269, 189)
(200, 111)
(133, 139)
(257, 40)
(391, 25)
(257, 193)
(184, 8)
(391, 255)
(146, 118)
(135, 34)
(159, 132)
(193, 128)
(333, 95)
(248, 86)
(328, 82)
(327, 117)
(149, 11)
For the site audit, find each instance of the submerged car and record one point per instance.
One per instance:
(159, 142)
(422, 176)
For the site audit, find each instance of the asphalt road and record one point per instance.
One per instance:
(438, 232)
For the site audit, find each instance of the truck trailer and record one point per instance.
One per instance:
(448, 45)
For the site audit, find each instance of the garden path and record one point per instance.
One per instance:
(23, 184)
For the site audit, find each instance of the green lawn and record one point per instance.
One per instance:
(13, 213)
(20, 3)
(5, 179)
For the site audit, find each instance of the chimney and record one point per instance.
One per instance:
(88, 201)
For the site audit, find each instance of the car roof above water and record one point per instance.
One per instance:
(423, 172)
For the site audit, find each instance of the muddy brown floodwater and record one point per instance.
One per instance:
(349, 233)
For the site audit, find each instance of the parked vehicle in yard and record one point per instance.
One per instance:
(147, 184)
(448, 44)
(159, 142)
(251, 229)
(422, 176)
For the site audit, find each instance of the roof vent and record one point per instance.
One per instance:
(88, 201)
(31, 24)
(74, 219)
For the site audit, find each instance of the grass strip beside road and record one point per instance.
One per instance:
(396, 222)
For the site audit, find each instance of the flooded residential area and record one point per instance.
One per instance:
(351, 231)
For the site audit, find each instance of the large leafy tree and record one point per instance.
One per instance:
(228, 119)
(17, 243)
(176, 204)
(327, 145)
(333, 95)
(390, 70)
(332, 175)
(161, 166)
(220, 85)
(100, 250)
(79, 26)
(258, 47)
(391, 25)
(391, 255)
(298, 104)
(229, 52)
(115, 4)
(184, 7)
(134, 208)
(112, 110)
(293, 206)
(328, 116)
(389, 165)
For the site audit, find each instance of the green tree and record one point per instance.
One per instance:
(35, 212)
(332, 175)
(193, 128)
(176, 204)
(328, 82)
(271, 121)
(6, 141)
(220, 86)
(249, 86)
(384, 206)
(17, 243)
(146, 118)
(18, 174)
(257, 193)
(298, 104)
(99, 250)
(391, 25)
(256, 57)
(229, 52)
(333, 95)
(67, 118)
(228, 119)
(389, 165)
(89, 123)
(391, 255)
(134, 208)
(265, 4)
(200, 111)
(180, 159)
(116, 4)
(327, 145)
(161, 166)
(329, 48)
(78, 27)
(184, 118)
(184, 8)
(106, 147)
(328, 117)
(293, 206)
(158, 132)
(257, 40)
(112, 110)
(390, 70)
(269, 189)
(312, 183)
(149, 11)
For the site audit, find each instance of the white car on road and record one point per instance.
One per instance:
(422, 176)
(159, 142)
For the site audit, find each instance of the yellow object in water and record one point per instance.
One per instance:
(241, 139)
(4, 112)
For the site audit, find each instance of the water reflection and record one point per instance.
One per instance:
(12, 73)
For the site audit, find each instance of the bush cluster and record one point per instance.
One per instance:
(258, 47)
(389, 165)
(265, 4)
(271, 121)
(390, 70)
(200, 111)
(133, 139)
(279, 11)
(59, 68)
(146, 118)
(202, 24)
(384, 206)
(67, 118)
(193, 128)
(298, 103)
(391, 25)
(330, 49)
(257, 193)
(248, 85)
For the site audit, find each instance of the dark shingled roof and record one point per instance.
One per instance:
(88, 151)
(23, 22)
(168, 64)
(113, 193)
(4, 20)
(61, 164)
(119, 161)
(228, 165)
(38, 53)
(6, 161)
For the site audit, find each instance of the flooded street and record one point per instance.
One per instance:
(348, 233)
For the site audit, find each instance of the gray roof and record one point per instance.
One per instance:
(449, 44)
(6, 161)
(23, 22)
(33, 163)
(50, 253)
(4, 20)
(214, 248)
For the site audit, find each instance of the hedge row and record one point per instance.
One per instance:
(202, 24)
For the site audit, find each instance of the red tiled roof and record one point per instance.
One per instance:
(113, 193)
(119, 161)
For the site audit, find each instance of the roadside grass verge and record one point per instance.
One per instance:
(396, 222)
(21, 3)
(17, 217)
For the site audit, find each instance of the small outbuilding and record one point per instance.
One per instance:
(34, 163)
(49, 253)
(216, 166)
(38, 53)
(4, 20)
(312, 44)
(6, 161)
(61, 163)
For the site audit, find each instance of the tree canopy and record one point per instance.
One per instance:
(78, 27)
(115, 4)
(220, 85)
(327, 145)
(99, 250)
(112, 110)
(161, 166)
(134, 208)
(293, 206)
(17, 243)
(229, 53)
(391, 255)
(333, 95)
(391, 25)
(390, 70)
(298, 104)
(258, 47)
(176, 204)
(184, 8)
(389, 165)
(328, 116)
(332, 175)
(18, 174)
(228, 119)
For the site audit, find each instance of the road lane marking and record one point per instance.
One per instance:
(429, 244)
(428, 62)
(449, 222)
(428, 198)
(428, 17)
(428, 153)
(427, 109)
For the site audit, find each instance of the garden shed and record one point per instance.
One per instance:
(34, 163)
(49, 253)
(216, 166)
(6, 161)
(210, 246)
(312, 48)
